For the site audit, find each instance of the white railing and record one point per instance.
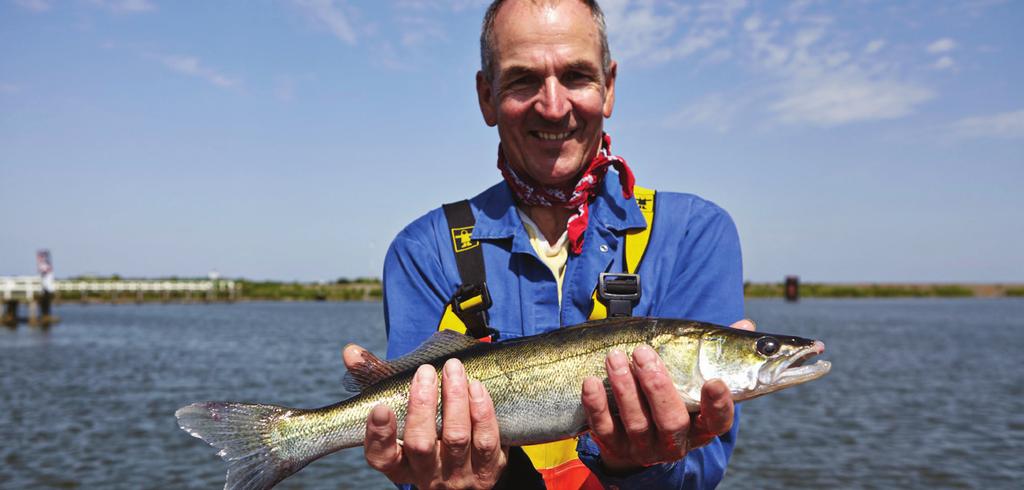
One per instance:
(27, 287)
(18, 287)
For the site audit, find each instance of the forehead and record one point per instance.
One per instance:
(531, 32)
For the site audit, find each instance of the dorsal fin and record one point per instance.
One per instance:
(372, 369)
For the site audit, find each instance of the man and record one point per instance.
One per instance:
(546, 233)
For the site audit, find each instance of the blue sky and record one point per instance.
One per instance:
(850, 141)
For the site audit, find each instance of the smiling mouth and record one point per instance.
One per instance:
(550, 136)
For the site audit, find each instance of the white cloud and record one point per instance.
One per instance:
(330, 14)
(652, 32)
(9, 88)
(125, 6)
(418, 30)
(1009, 125)
(942, 46)
(815, 74)
(190, 65)
(34, 5)
(943, 63)
(715, 111)
(874, 46)
(839, 99)
(453, 5)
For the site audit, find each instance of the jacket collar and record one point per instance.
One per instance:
(496, 217)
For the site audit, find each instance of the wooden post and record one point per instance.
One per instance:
(10, 316)
(46, 308)
(792, 288)
(33, 311)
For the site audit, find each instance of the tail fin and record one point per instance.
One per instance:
(242, 432)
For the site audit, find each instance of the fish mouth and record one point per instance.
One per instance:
(794, 370)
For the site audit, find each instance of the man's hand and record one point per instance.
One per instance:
(652, 425)
(468, 454)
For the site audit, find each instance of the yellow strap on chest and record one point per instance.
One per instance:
(451, 321)
(636, 244)
(551, 454)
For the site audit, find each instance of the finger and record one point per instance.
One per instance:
(636, 421)
(419, 443)
(716, 413)
(599, 416)
(745, 324)
(381, 448)
(667, 409)
(456, 427)
(487, 457)
(352, 354)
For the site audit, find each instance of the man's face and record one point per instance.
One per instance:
(548, 94)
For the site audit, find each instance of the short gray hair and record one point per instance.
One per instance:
(487, 37)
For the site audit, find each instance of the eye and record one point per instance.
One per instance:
(576, 77)
(768, 346)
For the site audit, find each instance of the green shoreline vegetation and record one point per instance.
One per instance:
(343, 289)
(885, 290)
(369, 289)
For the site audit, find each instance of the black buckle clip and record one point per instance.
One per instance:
(619, 291)
(466, 293)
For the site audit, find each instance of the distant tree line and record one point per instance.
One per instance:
(878, 290)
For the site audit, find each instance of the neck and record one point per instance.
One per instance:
(552, 221)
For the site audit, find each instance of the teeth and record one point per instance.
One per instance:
(553, 136)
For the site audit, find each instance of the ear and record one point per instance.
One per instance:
(484, 96)
(609, 89)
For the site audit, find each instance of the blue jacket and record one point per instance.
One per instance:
(692, 269)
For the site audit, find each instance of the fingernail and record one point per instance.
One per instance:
(718, 389)
(476, 391)
(617, 361)
(379, 416)
(644, 357)
(452, 367)
(424, 375)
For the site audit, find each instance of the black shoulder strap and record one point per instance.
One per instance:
(471, 301)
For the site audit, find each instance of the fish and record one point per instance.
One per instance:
(535, 383)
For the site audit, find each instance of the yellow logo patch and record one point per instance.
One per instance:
(462, 239)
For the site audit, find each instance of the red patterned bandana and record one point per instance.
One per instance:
(530, 193)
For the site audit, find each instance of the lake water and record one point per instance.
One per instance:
(923, 393)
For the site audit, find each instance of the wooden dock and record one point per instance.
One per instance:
(29, 289)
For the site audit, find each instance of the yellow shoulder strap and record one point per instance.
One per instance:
(451, 321)
(635, 246)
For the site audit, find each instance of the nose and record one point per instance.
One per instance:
(553, 103)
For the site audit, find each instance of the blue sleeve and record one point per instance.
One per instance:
(707, 279)
(706, 285)
(416, 288)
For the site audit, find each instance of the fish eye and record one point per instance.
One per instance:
(768, 346)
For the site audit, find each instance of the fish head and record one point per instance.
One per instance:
(751, 364)
(754, 364)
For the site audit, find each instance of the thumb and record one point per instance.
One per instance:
(745, 324)
(352, 354)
